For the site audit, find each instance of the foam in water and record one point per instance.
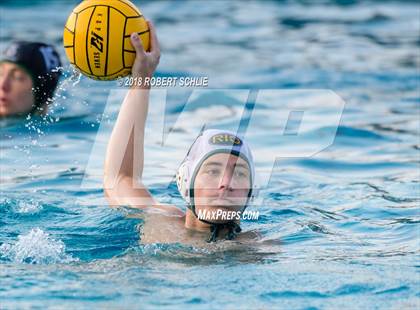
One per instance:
(28, 207)
(36, 247)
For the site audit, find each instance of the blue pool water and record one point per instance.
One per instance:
(343, 224)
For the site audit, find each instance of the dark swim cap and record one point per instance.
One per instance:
(42, 62)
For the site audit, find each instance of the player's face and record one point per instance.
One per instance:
(223, 182)
(16, 95)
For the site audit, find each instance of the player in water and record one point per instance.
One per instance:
(29, 74)
(216, 175)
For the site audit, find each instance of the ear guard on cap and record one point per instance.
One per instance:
(182, 177)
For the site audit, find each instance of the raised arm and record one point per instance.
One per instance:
(124, 162)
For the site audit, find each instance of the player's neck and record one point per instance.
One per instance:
(192, 222)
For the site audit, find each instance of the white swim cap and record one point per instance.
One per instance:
(210, 142)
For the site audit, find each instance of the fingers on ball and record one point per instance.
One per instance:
(138, 45)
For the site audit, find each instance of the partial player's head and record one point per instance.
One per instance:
(217, 174)
(29, 73)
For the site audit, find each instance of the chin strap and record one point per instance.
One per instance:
(233, 229)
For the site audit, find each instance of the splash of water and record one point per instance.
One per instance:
(30, 207)
(36, 247)
(20, 206)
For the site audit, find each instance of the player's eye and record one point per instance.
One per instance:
(240, 173)
(18, 76)
(213, 172)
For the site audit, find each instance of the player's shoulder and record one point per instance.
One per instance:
(167, 209)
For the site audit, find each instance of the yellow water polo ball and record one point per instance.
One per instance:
(97, 37)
